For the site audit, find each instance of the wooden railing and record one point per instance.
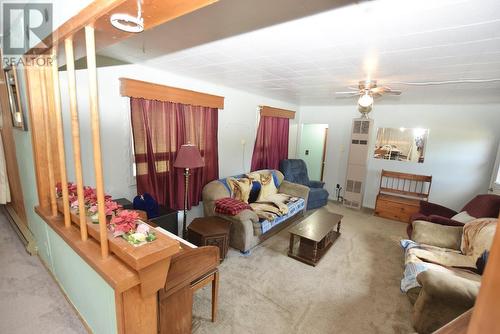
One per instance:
(137, 273)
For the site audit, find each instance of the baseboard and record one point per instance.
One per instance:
(21, 229)
(365, 209)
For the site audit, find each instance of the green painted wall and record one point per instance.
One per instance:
(89, 293)
(312, 139)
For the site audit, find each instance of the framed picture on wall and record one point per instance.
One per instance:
(16, 111)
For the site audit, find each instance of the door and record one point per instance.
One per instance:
(495, 177)
(312, 149)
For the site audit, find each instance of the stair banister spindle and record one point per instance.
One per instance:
(75, 134)
(96, 137)
(48, 140)
(60, 139)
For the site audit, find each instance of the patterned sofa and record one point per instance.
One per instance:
(247, 230)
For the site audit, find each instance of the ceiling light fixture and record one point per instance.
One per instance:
(365, 103)
(128, 22)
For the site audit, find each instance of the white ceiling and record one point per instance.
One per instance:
(306, 60)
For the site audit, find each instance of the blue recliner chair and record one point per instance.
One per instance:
(295, 170)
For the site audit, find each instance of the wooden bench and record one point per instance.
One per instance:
(400, 195)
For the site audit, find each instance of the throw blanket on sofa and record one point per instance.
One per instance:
(421, 257)
(274, 210)
(475, 238)
(272, 206)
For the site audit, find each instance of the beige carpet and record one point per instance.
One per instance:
(30, 300)
(354, 289)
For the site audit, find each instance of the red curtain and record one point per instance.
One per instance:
(271, 144)
(159, 129)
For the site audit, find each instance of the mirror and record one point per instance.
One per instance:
(14, 98)
(401, 144)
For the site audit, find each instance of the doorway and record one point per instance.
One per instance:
(495, 177)
(312, 149)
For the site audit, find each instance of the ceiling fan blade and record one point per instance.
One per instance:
(393, 92)
(353, 88)
(389, 90)
(377, 90)
(347, 93)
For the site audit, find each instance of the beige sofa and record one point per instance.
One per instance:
(244, 235)
(451, 283)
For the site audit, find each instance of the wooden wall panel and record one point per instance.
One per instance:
(34, 80)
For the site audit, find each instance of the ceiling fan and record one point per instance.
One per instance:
(367, 90)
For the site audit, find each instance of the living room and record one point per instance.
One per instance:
(423, 66)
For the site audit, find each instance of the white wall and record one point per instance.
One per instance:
(237, 125)
(460, 152)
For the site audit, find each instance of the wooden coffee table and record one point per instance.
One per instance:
(316, 233)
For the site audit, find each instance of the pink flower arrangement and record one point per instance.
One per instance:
(71, 189)
(110, 208)
(124, 222)
(90, 198)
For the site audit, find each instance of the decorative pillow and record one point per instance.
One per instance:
(240, 188)
(255, 176)
(254, 192)
(463, 217)
(267, 186)
(230, 206)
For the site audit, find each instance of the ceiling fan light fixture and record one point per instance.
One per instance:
(365, 101)
(128, 23)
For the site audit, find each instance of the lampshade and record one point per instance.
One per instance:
(188, 157)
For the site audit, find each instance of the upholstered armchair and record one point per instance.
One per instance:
(481, 206)
(295, 170)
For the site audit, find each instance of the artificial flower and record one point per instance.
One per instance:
(142, 228)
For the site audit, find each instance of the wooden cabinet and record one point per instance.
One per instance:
(396, 207)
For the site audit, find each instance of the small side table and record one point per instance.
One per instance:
(210, 231)
(167, 219)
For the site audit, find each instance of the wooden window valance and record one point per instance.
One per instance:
(276, 112)
(152, 91)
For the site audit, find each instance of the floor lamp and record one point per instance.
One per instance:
(188, 157)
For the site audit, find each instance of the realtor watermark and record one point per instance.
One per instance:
(26, 27)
